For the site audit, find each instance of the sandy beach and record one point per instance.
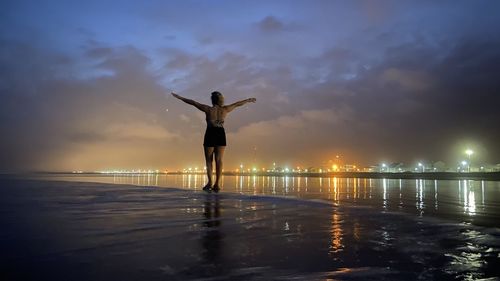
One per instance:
(56, 230)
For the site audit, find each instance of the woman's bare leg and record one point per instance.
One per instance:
(219, 155)
(209, 156)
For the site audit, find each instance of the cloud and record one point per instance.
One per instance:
(365, 83)
(419, 101)
(396, 107)
(52, 118)
(307, 135)
(185, 118)
(408, 80)
(271, 24)
(137, 131)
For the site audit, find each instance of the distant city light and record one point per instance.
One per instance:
(128, 171)
(422, 166)
(383, 167)
(332, 166)
(469, 152)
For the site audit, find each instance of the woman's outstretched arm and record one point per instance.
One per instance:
(200, 106)
(239, 103)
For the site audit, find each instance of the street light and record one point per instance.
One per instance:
(421, 165)
(469, 152)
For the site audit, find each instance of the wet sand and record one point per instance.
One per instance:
(93, 231)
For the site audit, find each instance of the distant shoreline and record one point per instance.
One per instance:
(492, 176)
(374, 175)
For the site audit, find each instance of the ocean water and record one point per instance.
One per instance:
(468, 201)
(77, 230)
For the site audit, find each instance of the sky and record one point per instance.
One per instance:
(85, 85)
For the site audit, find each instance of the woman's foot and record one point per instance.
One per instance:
(207, 188)
(215, 188)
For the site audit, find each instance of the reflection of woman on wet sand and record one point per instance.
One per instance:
(215, 136)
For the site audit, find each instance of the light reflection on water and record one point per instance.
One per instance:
(472, 200)
(336, 233)
(352, 236)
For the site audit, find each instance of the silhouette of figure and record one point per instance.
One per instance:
(215, 136)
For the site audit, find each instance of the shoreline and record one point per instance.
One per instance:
(375, 175)
(489, 176)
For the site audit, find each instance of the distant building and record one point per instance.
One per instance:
(349, 168)
(497, 168)
(396, 167)
(373, 168)
(315, 169)
(439, 166)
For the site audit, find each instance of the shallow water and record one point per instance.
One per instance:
(91, 231)
(472, 201)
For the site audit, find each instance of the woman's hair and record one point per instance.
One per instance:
(217, 98)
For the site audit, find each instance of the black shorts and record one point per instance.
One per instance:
(215, 136)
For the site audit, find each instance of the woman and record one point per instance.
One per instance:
(215, 136)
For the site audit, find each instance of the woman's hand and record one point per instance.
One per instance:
(252, 100)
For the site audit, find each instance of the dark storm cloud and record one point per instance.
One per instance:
(271, 24)
(236, 76)
(413, 96)
(48, 115)
(87, 88)
(117, 118)
(99, 52)
(420, 97)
